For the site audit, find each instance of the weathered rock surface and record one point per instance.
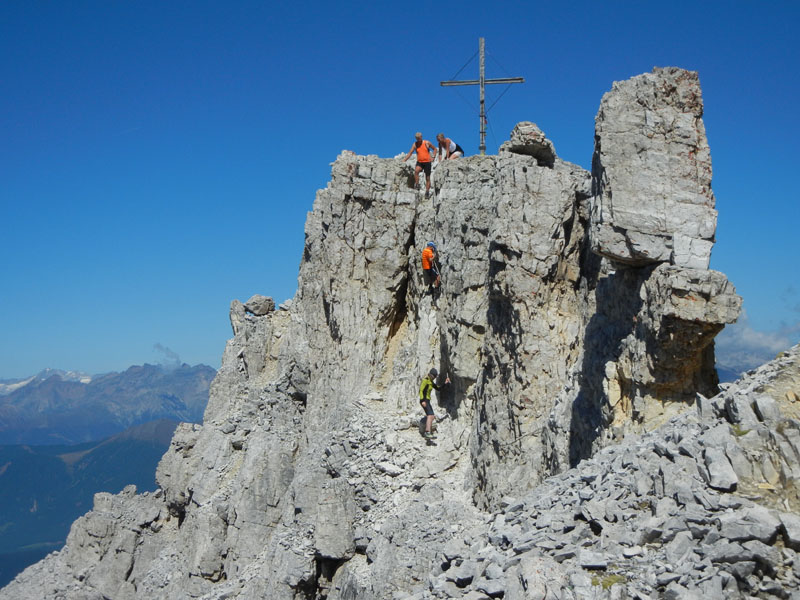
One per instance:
(651, 172)
(527, 138)
(259, 305)
(582, 448)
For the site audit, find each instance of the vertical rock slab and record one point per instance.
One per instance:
(535, 307)
(354, 273)
(651, 172)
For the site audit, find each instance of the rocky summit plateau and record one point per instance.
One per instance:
(585, 448)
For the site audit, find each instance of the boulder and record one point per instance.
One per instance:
(720, 472)
(528, 139)
(259, 305)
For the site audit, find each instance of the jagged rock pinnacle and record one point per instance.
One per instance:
(651, 172)
(581, 436)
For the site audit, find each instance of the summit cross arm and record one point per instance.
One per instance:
(482, 81)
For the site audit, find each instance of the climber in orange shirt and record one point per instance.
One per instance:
(426, 153)
(432, 276)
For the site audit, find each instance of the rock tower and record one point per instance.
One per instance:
(576, 313)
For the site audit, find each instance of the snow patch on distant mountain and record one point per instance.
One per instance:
(10, 385)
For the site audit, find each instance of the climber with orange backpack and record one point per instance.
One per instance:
(432, 276)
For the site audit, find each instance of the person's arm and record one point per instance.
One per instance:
(410, 152)
(438, 387)
(448, 143)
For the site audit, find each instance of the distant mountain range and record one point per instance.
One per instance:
(9, 385)
(43, 489)
(56, 407)
(732, 363)
(66, 435)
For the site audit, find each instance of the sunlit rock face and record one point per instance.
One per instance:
(651, 172)
(309, 477)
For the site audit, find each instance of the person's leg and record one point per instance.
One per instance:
(455, 154)
(427, 169)
(426, 406)
(417, 169)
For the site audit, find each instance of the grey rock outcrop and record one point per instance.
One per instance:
(651, 172)
(259, 305)
(527, 138)
(309, 479)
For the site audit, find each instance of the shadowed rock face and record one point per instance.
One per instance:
(308, 478)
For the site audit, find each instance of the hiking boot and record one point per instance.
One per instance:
(427, 435)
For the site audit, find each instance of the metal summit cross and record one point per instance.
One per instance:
(482, 82)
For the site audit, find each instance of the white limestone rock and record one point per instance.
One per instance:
(791, 529)
(528, 139)
(766, 408)
(536, 577)
(651, 172)
(301, 483)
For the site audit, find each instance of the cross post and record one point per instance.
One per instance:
(483, 82)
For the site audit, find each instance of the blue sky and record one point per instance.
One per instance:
(158, 159)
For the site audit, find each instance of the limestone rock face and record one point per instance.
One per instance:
(309, 477)
(651, 172)
(527, 138)
(259, 305)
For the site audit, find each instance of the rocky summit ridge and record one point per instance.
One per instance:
(584, 450)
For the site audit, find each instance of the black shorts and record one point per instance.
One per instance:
(427, 408)
(426, 166)
(430, 276)
(458, 149)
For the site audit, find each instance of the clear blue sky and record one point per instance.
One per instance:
(158, 159)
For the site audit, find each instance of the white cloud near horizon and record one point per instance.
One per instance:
(741, 347)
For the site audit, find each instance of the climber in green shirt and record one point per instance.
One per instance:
(428, 384)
